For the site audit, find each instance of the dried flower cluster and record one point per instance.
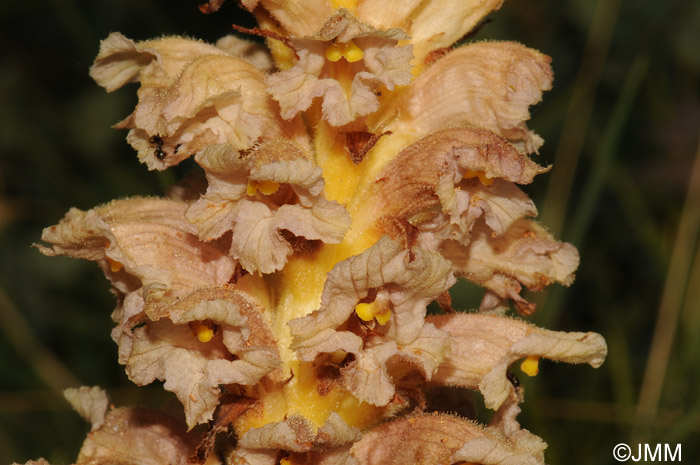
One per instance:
(354, 169)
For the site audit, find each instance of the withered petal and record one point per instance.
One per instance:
(297, 434)
(90, 402)
(410, 278)
(490, 85)
(194, 370)
(137, 435)
(526, 254)
(483, 346)
(148, 237)
(438, 439)
(439, 24)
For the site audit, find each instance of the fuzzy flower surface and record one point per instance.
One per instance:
(352, 171)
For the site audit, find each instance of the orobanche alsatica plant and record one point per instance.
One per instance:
(352, 171)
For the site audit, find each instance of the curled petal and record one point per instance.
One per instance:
(243, 456)
(258, 221)
(483, 347)
(252, 52)
(386, 14)
(439, 24)
(348, 90)
(371, 378)
(368, 378)
(525, 254)
(147, 238)
(410, 279)
(137, 435)
(299, 17)
(192, 95)
(425, 185)
(155, 63)
(192, 369)
(500, 204)
(437, 439)
(90, 402)
(487, 84)
(406, 281)
(298, 435)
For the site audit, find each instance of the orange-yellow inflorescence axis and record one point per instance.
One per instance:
(531, 365)
(348, 50)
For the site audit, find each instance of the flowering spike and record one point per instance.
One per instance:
(278, 274)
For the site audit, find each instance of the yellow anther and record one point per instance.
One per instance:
(485, 180)
(531, 366)
(203, 332)
(285, 461)
(352, 52)
(365, 311)
(265, 187)
(333, 53)
(268, 187)
(383, 317)
(114, 265)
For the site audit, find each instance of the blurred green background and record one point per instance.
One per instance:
(621, 126)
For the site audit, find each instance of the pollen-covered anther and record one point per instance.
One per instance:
(202, 330)
(368, 312)
(530, 366)
(348, 50)
(483, 178)
(264, 187)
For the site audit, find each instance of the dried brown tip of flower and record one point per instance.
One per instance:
(439, 438)
(419, 183)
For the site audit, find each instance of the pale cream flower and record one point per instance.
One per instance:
(352, 174)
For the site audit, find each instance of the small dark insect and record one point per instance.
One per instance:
(158, 142)
(513, 379)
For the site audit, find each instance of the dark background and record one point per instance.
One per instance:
(621, 127)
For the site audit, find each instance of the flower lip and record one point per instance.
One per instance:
(345, 63)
